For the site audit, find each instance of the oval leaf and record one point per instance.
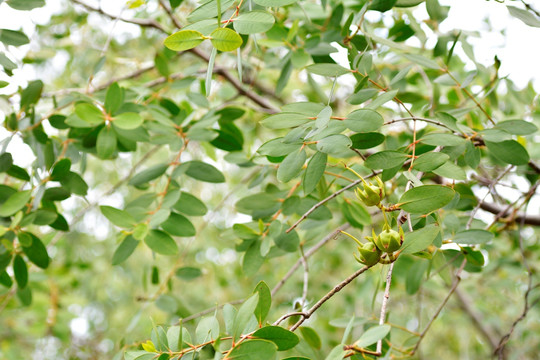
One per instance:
(314, 172)
(128, 121)
(184, 40)
(178, 225)
(372, 335)
(509, 151)
(364, 120)
(419, 240)
(15, 203)
(225, 39)
(327, 69)
(124, 250)
(473, 237)
(203, 172)
(253, 22)
(291, 166)
(386, 159)
(118, 217)
(253, 349)
(284, 339)
(161, 242)
(425, 199)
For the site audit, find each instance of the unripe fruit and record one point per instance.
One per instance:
(369, 254)
(372, 194)
(389, 240)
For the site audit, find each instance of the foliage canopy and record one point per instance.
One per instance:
(202, 173)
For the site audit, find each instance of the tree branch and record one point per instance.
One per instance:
(259, 100)
(441, 306)
(328, 296)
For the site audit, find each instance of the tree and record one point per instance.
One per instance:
(211, 182)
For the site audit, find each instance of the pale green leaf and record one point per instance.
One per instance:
(225, 39)
(184, 40)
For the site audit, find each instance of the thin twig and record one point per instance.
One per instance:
(386, 297)
(441, 306)
(328, 296)
(325, 200)
(487, 333)
(306, 277)
(490, 190)
(308, 253)
(499, 350)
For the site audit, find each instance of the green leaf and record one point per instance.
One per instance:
(124, 250)
(334, 144)
(386, 159)
(314, 171)
(149, 174)
(517, 127)
(114, 98)
(337, 353)
(161, 242)
(203, 172)
(415, 276)
(287, 241)
(422, 61)
(74, 183)
(425, 199)
(430, 161)
(56, 194)
(31, 94)
(284, 339)
(184, 40)
(6, 160)
(419, 240)
(89, 114)
(364, 120)
(225, 39)
(473, 237)
(372, 335)
(367, 140)
(291, 166)
(36, 252)
(362, 96)
(264, 303)
(451, 171)
(327, 69)
(524, 15)
(285, 120)
(207, 329)
(356, 214)
(209, 9)
(15, 202)
(190, 205)
(253, 22)
(18, 173)
(44, 216)
(128, 121)
(20, 271)
(274, 3)
(253, 349)
(442, 139)
(244, 315)
(11, 37)
(25, 4)
(178, 225)
(60, 169)
(118, 217)
(188, 273)
(508, 151)
(106, 143)
(311, 337)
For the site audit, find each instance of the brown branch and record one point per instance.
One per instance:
(441, 306)
(325, 200)
(328, 296)
(238, 85)
(308, 253)
(465, 304)
(141, 22)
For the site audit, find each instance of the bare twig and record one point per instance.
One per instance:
(308, 253)
(527, 305)
(491, 187)
(328, 296)
(385, 303)
(306, 277)
(325, 200)
(141, 22)
(441, 306)
(465, 304)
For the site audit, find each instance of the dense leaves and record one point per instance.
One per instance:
(199, 180)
